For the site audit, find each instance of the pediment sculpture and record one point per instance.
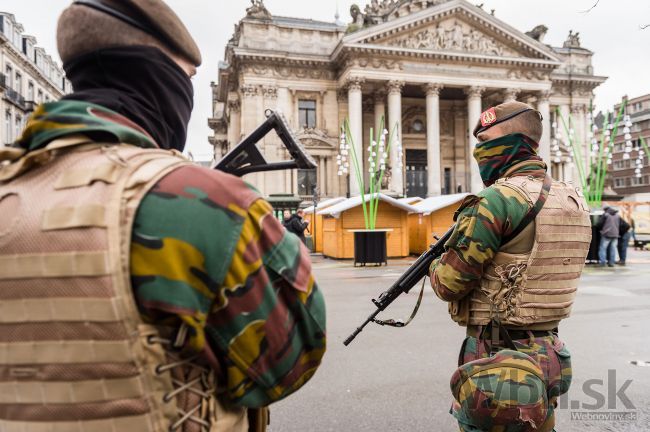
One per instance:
(450, 38)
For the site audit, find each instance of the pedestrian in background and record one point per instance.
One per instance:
(297, 225)
(625, 232)
(609, 225)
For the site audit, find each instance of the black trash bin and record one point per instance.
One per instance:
(370, 247)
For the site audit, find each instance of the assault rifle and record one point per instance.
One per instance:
(418, 271)
(246, 158)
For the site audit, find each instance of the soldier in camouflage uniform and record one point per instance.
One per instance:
(501, 264)
(140, 292)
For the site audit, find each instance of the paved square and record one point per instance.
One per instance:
(398, 379)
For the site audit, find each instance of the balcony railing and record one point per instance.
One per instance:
(13, 97)
(30, 105)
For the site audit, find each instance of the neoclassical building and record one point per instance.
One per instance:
(28, 77)
(429, 67)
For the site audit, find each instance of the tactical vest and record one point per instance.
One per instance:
(75, 354)
(534, 289)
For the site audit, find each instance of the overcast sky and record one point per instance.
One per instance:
(612, 30)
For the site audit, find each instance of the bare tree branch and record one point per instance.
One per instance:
(643, 27)
(591, 8)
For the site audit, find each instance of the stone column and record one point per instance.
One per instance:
(434, 186)
(355, 108)
(322, 176)
(380, 110)
(473, 115)
(395, 121)
(544, 107)
(510, 94)
(235, 123)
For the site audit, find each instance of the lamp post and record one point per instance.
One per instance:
(316, 198)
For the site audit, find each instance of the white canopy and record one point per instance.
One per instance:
(324, 204)
(432, 204)
(353, 202)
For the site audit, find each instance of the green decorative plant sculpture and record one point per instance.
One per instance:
(381, 142)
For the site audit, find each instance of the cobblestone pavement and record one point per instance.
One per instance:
(398, 379)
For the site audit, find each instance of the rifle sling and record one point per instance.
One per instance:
(401, 323)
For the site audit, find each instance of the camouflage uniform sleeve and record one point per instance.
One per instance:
(207, 252)
(481, 222)
(281, 339)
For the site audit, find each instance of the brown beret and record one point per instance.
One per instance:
(501, 113)
(153, 17)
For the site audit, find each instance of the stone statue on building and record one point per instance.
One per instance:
(573, 40)
(358, 18)
(538, 33)
(258, 10)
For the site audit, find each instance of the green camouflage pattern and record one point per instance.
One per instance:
(482, 221)
(56, 120)
(548, 353)
(207, 252)
(495, 157)
(503, 392)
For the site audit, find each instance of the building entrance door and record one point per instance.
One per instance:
(416, 173)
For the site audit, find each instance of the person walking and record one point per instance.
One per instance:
(141, 292)
(609, 225)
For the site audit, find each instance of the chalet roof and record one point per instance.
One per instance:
(433, 204)
(410, 200)
(353, 202)
(324, 204)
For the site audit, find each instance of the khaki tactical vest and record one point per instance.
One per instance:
(532, 281)
(75, 355)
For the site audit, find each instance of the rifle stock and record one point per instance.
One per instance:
(408, 280)
(246, 158)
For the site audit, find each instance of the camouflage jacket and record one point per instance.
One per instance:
(207, 251)
(481, 222)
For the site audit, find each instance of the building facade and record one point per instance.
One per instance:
(629, 177)
(428, 67)
(28, 77)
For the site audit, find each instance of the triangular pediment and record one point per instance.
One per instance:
(450, 35)
(454, 27)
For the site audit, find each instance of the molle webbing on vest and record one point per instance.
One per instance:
(531, 289)
(74, 353)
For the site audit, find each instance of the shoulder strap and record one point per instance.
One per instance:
(533, 212)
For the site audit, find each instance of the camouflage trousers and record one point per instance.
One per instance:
(553, 359)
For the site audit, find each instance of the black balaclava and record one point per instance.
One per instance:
(139, 82)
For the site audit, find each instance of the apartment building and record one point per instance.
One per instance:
(28, 77)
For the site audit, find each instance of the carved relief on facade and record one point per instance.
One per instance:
(450, 35)
(250, 90)
(575, 89)
(414, 120)
(528, 74)
(234, 106)
(270, 92)
(374, 63)
(281, 71)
